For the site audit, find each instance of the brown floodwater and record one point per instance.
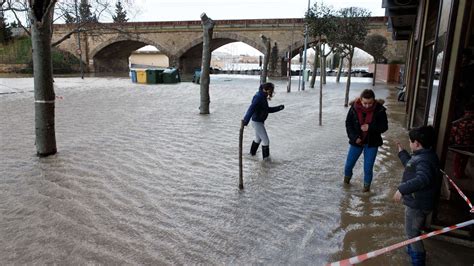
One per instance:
(141, 178)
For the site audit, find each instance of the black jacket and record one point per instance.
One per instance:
(378, 125)
(421, 179)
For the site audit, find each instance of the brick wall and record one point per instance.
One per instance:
(389, 73)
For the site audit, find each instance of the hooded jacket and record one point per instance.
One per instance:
(377, 126)
(421, 179)
(259, 109)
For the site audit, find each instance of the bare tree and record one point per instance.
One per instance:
(375, 45)
(86, 19)
(322, 26)
(274, 58)
(267, 44)
(208, 29)
(339, 50)
(352, 28)
(315, 65)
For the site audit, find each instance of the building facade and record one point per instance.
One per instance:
(438, 76)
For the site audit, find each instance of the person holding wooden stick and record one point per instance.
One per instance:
(258, 111)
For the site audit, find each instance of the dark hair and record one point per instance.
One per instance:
(425, 135)
(367, 94)
(266, 86)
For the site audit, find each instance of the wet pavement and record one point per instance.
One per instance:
(141, 178)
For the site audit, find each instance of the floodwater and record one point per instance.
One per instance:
(141, 178)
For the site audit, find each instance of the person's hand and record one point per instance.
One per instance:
(243, 123)
(282, 107)
(364, 127)
(397, 197)
(399, 146)
(358, 141)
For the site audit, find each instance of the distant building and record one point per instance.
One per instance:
(146, 59)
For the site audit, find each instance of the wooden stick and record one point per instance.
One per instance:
(241, 138)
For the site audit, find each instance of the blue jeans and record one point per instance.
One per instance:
(414, 221)
(369, 159)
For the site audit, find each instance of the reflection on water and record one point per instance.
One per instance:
(142, 178)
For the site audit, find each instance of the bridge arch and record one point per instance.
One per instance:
(113, 54)
(189, 56)
(182, 39)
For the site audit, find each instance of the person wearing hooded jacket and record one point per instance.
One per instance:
(258, 112)
(365, 123)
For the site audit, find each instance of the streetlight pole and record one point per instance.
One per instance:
(305, 47)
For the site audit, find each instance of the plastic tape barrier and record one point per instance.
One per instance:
(459, 191)
(361, 258)
(372, 254)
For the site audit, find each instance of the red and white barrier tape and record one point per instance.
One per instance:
(366, 256)
(459, 191)
(372, 254)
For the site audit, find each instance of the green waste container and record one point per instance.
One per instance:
(159, 75)
(152, 76)
(171, 75)
(133, 76)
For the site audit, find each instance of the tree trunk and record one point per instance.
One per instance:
(341, 61)
(315, 67)
(323, 63)
(375, 73)
(41, 15)
(288, 74)
(321, 92)
(323, 68)
(208, 28)
(266, 59)
(348, 84)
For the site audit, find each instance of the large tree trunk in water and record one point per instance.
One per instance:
(348, 84)
(208, 28)
(375, 72)
(266, 59)
(341, 61)
(315, 67)
(41, 15)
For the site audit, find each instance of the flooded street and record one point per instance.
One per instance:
(141, 178)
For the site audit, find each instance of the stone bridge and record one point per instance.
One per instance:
(107, 49)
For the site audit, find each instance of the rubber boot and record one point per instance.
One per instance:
(254, 148)
(366, 188)
(347, 180)
(417, 258)
(265, 151)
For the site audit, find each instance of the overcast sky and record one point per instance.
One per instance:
(169, 10)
